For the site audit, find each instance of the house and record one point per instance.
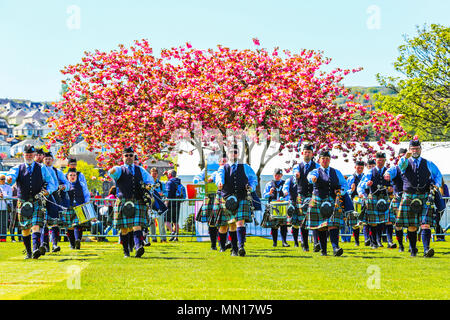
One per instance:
(5, 148)
(81, 148)
(45, 130)
(4, 126)
(17, 117)
(27, 129)
(35, 115)
(19, 147)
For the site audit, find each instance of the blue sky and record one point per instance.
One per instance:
(39, 38)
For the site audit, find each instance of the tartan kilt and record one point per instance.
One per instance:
(393, 208)
(405, 220)
(205, 213)
(299, 216)
(224, 215)
(69, 218)
(313, 220)
(140, 218)
(37, 218)
(352, 219)
(372, 216)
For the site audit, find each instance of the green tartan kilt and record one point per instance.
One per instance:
(299, 216)
(315, 221)
(205, 214)
(140, 217)
(37, 218)
(404, 217)
(393, 208)
(372, 215)
(223, 215)
(69, 219)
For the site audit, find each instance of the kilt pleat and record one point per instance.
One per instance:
(206, 212)
(313, 218)
(140, 218)
(372, 215)
(69, 218)
(37, 218)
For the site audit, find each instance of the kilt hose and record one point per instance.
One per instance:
(372, 215)
(140, 218)
(405, 218)
(206, 212)
(223, 215)
(37, 219)
(314, 219)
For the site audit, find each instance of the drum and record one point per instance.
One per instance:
(278, 209)
(358, 204)
(85, 212)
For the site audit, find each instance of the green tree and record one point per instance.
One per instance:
(92, 175)
(423, 92)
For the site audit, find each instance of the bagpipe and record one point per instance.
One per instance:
(152, 198)
(326, 209)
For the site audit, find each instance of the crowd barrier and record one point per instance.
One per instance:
(188, 227)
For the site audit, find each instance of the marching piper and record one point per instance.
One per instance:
(352, 182)
(274, 192)
(290, 193)
(78, 194)
(420, 177)
(130, 210)
(206, 211)
(366, 229)
(326, 208)
(231, 205)
(304, 194)
(58, 197)
(33, 182)
(395, 175)
(377, 201)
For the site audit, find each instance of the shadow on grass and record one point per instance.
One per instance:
(276, 257)
(170, 258)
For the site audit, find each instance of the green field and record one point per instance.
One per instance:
(190, 270)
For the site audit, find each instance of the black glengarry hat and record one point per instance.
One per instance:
(359, 163)
(414, 143)
(380, 155)
(48, 155)
(371, 161)
(278, 171)
(128, 150)
(72, 160)
(308, 147)
(29, 149)
(325, 153)
(402, 150)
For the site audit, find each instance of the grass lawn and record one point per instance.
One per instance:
(190, 270)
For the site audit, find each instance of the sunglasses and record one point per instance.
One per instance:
(129, 155)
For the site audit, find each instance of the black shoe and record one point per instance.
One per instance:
(414, 252)
(317, 247)
(72, 247)
(213, 248)
(139, 252)
(356, 244)
(401, 248)
(147, 244)
(429, 253)
(392, 245)
(222, 250)
(241, 252)
(234, 253)
(379, 244)
(56, 249)
(274, 244)
(338, 252)
(323, 253)
(28, 256)
(228, 245)
(155, 240)
(176, 239)
(305, 249)
(42, 250)
(77, 244)
(296, 245)
(36, 254)
(285, 244)
(367, 243)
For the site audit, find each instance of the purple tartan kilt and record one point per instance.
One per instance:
(315, 221)
(206, 212)
(372, 216)
(223, 215)
(405, 219)
(37, 218)
(140, 217)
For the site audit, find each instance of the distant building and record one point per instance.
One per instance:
(19, 147)
(27, 129)
(35, 115)
(5, 148)
(17, 117)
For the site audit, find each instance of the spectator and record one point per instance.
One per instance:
(110, 205)
(5, 192)
(175, 190)
(13, 226)
(444, 192)
(160, 218)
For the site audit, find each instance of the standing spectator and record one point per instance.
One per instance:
(175, 190)
(13, 226)
(110, 205)
(5, 192)
(160, 218)
(444, 192)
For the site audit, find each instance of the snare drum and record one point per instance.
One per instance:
(278, 209)
(85, 212)
(358, 204)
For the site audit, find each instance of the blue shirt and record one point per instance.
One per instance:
(46, 176)
(146, 177)
(362, 186)
(59, 178)
(266, 193)
(436, 175)
(351, 180)
(342, 181)
(297, 167)
(201, 177)
(252, 179)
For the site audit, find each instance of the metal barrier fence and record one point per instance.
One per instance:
(188, 227)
